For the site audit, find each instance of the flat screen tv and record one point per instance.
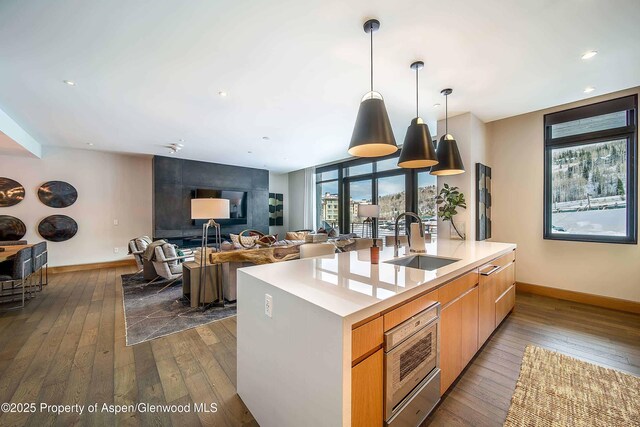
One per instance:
(237, 204)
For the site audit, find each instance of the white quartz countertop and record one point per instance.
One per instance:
(348, 285)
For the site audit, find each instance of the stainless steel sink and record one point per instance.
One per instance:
(423, 262)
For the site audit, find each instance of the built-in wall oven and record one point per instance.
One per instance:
(412, 372)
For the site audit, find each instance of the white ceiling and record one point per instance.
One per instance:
(148, 72)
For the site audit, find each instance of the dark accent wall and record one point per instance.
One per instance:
(174, 182)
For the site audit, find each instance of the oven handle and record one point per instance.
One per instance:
(398, 345)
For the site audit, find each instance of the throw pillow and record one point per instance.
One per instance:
(296, 235)
(247, 241)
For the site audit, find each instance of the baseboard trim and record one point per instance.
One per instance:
(92, 266)
(591, 299)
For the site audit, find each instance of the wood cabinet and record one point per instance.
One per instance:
(450, 345)
(459, 336)
(505, 303)
(366, 338)
(495, 279)
(469, 325)
(366, 391)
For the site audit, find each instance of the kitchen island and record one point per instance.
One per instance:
(310, 332)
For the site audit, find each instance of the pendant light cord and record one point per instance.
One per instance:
(417, 110)
(446, 114)
(371, 33)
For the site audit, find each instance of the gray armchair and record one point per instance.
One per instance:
(40, 258)
(167, 264)
(17, 275)
(137, 247)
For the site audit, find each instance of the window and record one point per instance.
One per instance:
(342, 187)
(392, 201)
(427, 192)
(590, 191)
(327, 198)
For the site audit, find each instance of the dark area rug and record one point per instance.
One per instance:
(149, 314)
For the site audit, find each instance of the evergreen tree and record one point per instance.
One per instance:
(620, 188)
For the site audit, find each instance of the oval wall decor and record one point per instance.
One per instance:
(57, 228)
(11, 192)
(11, 228)
(57, 194)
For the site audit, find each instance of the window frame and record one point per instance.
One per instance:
(411, 185)
(628, 132)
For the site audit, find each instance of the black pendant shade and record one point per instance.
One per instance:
(449, 160)
(372, 134)
(417, 150)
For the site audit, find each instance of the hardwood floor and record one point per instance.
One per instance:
(68, 347)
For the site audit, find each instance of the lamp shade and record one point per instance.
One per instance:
(418, 150)
(209, 208)
(372, 134)
(368, 211)
(449, 160)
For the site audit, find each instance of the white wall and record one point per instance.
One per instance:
(296, 200)
(516, 160)
(279, 183)
(110, 186)
(470, 134)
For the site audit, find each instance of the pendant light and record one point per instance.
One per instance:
(372, 134)
(449, 160)
(418, 150)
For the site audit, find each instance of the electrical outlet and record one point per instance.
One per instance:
(115, 250)
(116, 222)
(268, 305)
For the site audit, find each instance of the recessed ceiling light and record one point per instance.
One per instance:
(90, 144)
(589, 89)
(222, 93)
(436, 105)
(69, 82)
(589, 54)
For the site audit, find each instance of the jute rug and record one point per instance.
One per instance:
(558, 390)
(149, 314)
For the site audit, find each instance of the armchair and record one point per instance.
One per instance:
(167, 264)
(137, 247)
(18, 275)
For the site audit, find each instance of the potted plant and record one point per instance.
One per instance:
(450, 198)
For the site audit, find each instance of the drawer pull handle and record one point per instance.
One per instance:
(490, 272)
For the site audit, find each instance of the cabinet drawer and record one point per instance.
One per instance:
(366, 338)
(405, 311)
(504, 279)
(459, 286)
(503, 260)
(505, 303)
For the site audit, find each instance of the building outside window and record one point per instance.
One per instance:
(591, 173)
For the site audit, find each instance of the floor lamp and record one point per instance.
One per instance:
(369, 212)
(209, 209)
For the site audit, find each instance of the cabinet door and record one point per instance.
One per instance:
(366, 391)
(486, 307)
(469, 324)
(450, 344)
